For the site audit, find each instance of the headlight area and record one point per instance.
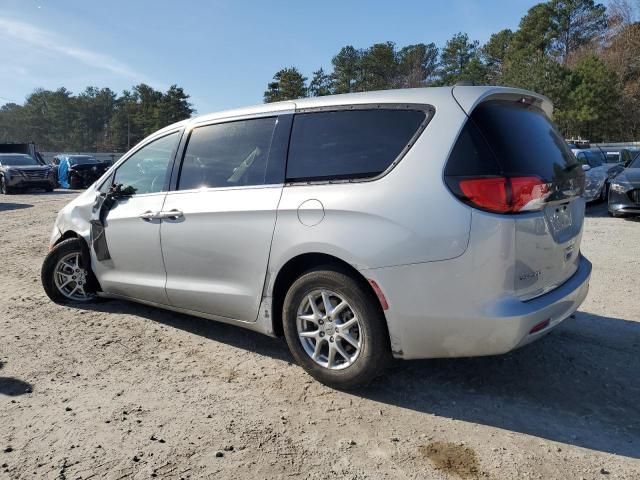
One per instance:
(620, 186)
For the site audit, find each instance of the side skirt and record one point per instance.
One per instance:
(262, 325)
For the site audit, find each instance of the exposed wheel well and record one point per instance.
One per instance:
(294, 268)
(67, 235)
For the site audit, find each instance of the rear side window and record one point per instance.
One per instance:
(227, 154)
(349, 144)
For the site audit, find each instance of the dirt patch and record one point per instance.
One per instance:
(452, 459)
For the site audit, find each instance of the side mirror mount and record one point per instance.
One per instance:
(118, 191)
(585, 167)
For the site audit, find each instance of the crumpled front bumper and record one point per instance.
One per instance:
(593, 188)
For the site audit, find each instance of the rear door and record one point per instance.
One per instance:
(515, 140)
(219, 221)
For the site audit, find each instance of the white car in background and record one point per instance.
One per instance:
(596, 173)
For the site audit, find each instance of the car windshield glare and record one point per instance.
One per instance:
(18, 160)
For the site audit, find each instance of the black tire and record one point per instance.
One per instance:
(604, 193)
(3, 187)
(71, 245)
(48, 189)
(375, 351)
(74, 183)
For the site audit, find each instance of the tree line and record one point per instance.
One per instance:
(583, 56)
(96, 120)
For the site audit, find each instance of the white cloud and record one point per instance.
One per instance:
(54, 44)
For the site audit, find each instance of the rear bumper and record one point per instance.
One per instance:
(434, 313)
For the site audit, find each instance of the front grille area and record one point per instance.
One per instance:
(634, 195)
(35, 174)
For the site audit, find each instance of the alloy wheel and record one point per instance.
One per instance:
(329, 329)
(71, 278)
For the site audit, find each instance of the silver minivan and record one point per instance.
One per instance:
(417, 223)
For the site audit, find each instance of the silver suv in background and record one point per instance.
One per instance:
(415, 223)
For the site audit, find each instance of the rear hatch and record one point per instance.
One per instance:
(511, 160)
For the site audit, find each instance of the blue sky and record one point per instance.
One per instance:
(222, 52)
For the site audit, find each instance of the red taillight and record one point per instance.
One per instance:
(489, 193)
(505, 194)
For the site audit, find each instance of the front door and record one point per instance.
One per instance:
(134, 267)
(216, 235)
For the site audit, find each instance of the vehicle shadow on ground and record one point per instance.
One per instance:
(5, 207)
(209, 329)
(13, 387)
(597, 210)
(579, 385)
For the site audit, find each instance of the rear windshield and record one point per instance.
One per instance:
(18, 160)
(349, 144)
(523, 140)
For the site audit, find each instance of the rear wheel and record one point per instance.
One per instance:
(335, 329)
(65, 277)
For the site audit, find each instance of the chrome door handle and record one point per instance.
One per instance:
(171, 214)
(148, 215)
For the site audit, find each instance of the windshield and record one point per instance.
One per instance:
(594, 158)
(18, 160)
(635, 163)
(82, 160)
(589, 157)
(612, 157)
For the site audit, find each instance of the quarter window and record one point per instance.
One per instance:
(146, 170)
(227, 154)
(349, 144)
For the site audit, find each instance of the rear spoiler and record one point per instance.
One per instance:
(470, 97)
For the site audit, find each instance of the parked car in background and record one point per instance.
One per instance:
(621, 156)
(360, 226)
(597, 173)
(624, 191)
(21, 171)
(78, 171)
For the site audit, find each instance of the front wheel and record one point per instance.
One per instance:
(604, 193)
(65, 277)
(335, 328)
(4, 189)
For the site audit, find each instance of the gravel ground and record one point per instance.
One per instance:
(118, 390)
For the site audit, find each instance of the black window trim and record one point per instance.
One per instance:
(428, 109)
(285, 116)
(111, 172)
